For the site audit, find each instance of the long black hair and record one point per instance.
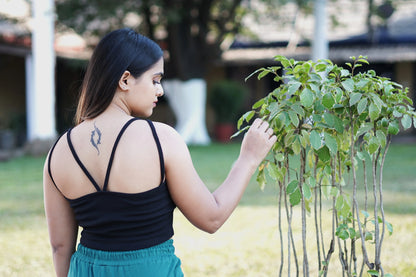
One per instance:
(118, 51)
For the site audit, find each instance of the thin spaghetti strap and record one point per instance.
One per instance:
(110, 162)
(68, 137)
(159, 149)
(49, 163)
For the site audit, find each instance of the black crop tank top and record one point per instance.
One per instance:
(116, 221)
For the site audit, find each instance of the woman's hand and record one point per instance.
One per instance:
(257, 142)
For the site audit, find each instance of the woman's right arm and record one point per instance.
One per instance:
(208, 211)
(62, 226)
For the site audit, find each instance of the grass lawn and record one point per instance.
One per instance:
(247, 245)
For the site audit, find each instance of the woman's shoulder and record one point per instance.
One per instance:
(164, 129)
(168, 136)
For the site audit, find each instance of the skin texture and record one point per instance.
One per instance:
(136, 159)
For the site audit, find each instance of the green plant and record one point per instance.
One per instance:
(333, 120)
(226, 98)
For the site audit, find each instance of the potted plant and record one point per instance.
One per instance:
(226, 98)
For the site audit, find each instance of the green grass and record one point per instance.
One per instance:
(247, 245)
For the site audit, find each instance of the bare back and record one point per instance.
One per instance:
(135, 167)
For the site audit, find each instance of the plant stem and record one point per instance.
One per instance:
(355, 201)
(376, 227)
(381, 202)
(301, 181)
(281, 185)
(317, 231)
(289, 213)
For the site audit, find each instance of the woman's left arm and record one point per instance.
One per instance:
(62, 226)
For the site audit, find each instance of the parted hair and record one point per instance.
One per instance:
(118, 51)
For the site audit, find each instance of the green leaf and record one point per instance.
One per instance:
(293, 87)
(278, 122)
(318, 107)
(381, 138)
(363, 59)
(342, 234)
(338, 94)
(362, 83)
(373, 145)
(307, 194)
(393, 128)
(315, 88)
(365, 213)
(331, 143)
(258, 104)
(326, 186)
(245, 117)
(354, 98)
(396, 113)
(377, 101)
(315, 139)
(364, 129)
(284, 117)
(362, 105)
(317, 118)
(298, 109)
(240, 131)
(328, 100)
(345, 72)
(279, 156)
(334, 121)
(384, 122)
(339, 202)
(368, 236)
(273, 171)
(348, 85)
(389, 227)
(406, 121)
(274, 109)
(334, 191)
(323, 154)
(346, 208)
(294, 118)
(292, 186)
(329, 119)
(283, 60)
(304, 138)
(320, 67)
(296, 145)
(360, 156)
(352, 232)
(311, 182)
(338, 124)
(373, 272)
(374, 111)
(295, 197)
(262, 74)
(261, 179)
(306, 98)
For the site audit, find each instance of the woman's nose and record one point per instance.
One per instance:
(160, 91)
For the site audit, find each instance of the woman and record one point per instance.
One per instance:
(120, 177)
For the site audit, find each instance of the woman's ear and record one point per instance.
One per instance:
(123, 82)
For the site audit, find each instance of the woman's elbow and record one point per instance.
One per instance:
(62, 248)
(212, 226)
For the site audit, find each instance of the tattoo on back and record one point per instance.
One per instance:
(96, 138)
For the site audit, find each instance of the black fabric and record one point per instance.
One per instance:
(116, 221)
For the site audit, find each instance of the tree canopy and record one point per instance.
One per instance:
(190, 31)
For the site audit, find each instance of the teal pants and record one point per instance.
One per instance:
(156, 261)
